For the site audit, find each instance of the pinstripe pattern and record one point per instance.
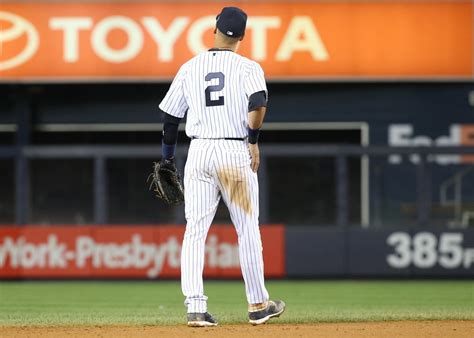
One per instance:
(217, 168)
(208, 161)
(243, 77)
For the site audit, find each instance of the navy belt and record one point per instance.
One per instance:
(219, 138)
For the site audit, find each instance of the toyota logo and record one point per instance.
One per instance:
(19, 26)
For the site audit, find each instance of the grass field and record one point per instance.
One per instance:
(152, 303)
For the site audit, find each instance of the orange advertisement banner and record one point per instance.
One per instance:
(303, 40)
(125, 252)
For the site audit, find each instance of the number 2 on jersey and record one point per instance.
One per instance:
(214, 88)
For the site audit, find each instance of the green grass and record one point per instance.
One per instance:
(152, 303)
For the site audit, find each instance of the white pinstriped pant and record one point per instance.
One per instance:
(216, 168)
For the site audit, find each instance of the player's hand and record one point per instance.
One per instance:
(255, 156)
(168, 163)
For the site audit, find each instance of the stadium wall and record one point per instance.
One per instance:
(153, 252)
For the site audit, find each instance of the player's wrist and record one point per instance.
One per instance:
(168, 150)
(253, 135)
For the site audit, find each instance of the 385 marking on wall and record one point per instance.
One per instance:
(425, 250)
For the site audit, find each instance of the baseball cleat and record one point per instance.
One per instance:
(201, 320)
(274, 308)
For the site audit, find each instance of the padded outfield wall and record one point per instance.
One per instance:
(153, 252)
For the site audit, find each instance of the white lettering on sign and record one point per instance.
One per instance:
(301, 36)
(401, 135)
(424, 250)
(71, 27)
(129, 27)
(89, 253)
(196, 34)
(224, 255)
(259, 26)
(165, 39)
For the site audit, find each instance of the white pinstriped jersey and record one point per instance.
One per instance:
(213, 88)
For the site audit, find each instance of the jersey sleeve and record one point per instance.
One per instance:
(174, 103)
(255, 80)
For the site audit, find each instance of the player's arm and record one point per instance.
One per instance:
(174, 107)
(256, 89)
(257, 110)
(170, 136)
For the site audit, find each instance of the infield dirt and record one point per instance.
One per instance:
(366, 329)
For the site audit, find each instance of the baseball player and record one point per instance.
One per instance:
(225, 97)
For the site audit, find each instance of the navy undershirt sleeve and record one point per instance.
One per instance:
(257, 100)
(170, 135)
(170, 129)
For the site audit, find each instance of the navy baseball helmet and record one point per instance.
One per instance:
(232, 22)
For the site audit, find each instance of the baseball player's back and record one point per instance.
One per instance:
(213, 88)
(224, 96)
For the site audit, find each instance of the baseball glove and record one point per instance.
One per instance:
(166, 183)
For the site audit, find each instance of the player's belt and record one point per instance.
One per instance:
(218, 138)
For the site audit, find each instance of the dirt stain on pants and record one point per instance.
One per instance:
(235, 184)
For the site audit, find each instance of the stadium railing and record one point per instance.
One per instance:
(340, 153)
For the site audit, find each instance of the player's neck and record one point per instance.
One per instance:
(222, 42)
(223, 46)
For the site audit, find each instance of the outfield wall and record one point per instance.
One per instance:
(402, 252)
(153, 252)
